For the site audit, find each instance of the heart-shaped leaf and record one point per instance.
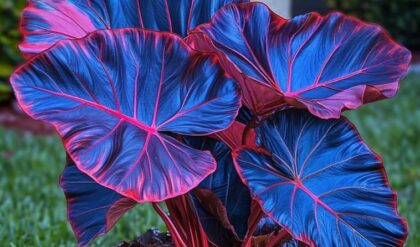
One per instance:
(46, 22)
(226, 186)
(111, 95)
(91, 208)
(322, 63)
(322, 182)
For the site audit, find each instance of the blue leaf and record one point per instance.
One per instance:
(322, 182)
(113, 95)
(323, 63)
(266, 226)
(91, 208)
(225, 184)
(46, 22)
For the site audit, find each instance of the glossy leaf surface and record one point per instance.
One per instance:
(322, 63)
(91, 208)
(110, 97)
(48, 21)
(226, 185)
(322, 182)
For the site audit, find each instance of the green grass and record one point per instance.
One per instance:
(32, 207)
(392, 129)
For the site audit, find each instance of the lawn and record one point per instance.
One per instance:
(32, 206)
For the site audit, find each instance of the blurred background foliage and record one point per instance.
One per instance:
(9, 39)
(401, 18)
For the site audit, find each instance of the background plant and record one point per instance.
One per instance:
(9, 39)
(400, 18)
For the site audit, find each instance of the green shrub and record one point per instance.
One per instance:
(400, 18)
(9, 40)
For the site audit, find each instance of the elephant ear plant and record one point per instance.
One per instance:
(223, 110)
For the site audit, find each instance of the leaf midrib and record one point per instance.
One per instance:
(103, 108)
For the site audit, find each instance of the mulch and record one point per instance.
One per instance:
(151, 238)
(416, 56)
(12, 116)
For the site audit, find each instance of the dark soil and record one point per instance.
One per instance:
(151, 238)
(416, 56)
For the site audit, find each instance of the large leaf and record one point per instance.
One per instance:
(227, 187)
(322, 182)
(322, 63)
(48, 21)
(91, 208)
(111, 95)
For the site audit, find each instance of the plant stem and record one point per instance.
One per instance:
(254, 219)
(186, 221)
(178, 241)
(277, 238)
(248, 127)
